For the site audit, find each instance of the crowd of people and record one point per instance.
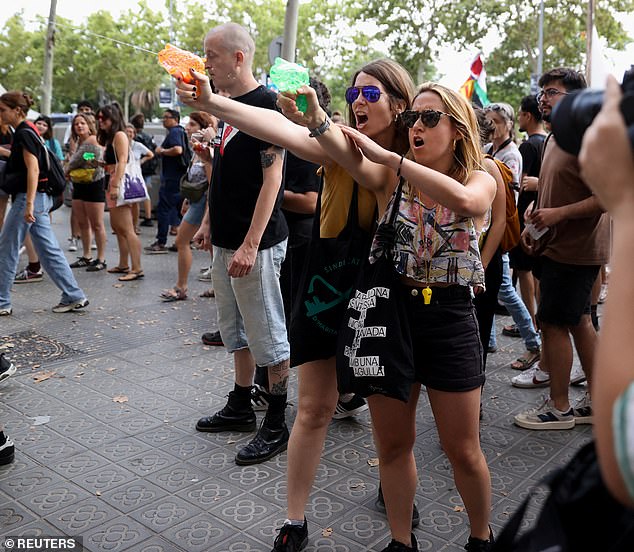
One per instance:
(417, 174)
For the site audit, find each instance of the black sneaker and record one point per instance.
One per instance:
(81, 262)
(291, 538)
(7, 368)
(259, 398)
(479, 545)
(96, 266)
(380, 506)
(147, 223)
(7, 450)
(354, 406)
(227, 419)
(213, 339)
(396, 546)
(267, 443)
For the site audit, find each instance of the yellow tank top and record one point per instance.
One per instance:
(335, 201)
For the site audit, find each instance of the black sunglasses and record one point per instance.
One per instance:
(370, 93)
(429, 117)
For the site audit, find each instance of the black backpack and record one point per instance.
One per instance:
(579, 515)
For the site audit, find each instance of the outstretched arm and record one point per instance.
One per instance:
(471, 199)
(265, 124)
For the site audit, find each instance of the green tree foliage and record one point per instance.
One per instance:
(510, 65)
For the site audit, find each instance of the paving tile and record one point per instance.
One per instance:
(28, 481)
(78, 464)
(165, 512)
(104, 478)
(81, 516)
(148, 462)
(118, 534)
(199, 533)
(178, 476)
(54, 497)
(134, 495)
(211, 492)
(13, 515)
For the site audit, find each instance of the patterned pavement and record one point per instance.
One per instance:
(102, 412)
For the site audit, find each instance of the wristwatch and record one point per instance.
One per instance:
(321, 129)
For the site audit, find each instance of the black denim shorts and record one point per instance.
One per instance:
(564, 291)
(445, 338)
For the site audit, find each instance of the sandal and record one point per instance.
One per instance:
(119, 270)
(130, 276)
(523, 363)
(174, 294)
(208, 293)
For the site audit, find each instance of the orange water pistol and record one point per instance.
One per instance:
(178, 62)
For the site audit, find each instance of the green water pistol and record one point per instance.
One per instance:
(288, 77)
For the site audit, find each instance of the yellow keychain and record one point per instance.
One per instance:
(427, 295)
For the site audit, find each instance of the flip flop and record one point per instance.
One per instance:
(173, 294)
(130, 276)
(523, 363)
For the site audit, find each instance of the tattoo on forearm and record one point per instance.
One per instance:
(278, 378)
(268, 157)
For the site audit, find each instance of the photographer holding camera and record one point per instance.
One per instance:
(571, 253)
(606, 151)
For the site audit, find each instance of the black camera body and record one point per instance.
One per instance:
(575, 113)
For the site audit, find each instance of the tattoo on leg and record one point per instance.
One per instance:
(278, 378)
(280, 387)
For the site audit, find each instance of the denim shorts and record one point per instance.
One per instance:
(445, 338)
(565, 291)
(250, 309)
(196, 212)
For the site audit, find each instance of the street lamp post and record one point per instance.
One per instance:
(290, 30)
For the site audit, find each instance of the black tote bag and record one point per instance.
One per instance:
(374, 352)
(328, 276)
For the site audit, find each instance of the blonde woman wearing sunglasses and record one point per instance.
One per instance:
(437, 257)
(380, 91)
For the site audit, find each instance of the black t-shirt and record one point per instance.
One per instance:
(236, 182)
(300, 177)
(531, 150)
(25, 138)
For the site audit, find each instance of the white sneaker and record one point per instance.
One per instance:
(93, 245)
(577, 376)
(205, 276)
(72, 244)
(546, 416)
(532, 378)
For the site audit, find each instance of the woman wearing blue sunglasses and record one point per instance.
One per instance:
(380, 91)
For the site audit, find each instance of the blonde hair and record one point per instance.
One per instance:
(467, 154)
(90, 122)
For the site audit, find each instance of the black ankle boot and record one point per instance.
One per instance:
(271, 439)
(237, 415)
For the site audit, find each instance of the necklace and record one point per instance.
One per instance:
(426, 291)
